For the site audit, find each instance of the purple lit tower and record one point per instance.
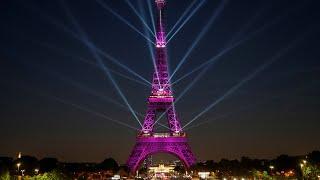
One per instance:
(161, 100)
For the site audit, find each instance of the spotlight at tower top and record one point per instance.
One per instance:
(160, 3)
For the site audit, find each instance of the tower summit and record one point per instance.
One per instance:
(160, 35)
(161, 100)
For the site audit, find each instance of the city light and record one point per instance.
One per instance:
(304, 162)
(22, 172)
(18, 165)
(204, 175)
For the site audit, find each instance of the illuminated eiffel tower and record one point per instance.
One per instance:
(161, 99)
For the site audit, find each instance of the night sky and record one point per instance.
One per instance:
(53, 94)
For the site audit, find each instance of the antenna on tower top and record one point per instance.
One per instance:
(161, 37)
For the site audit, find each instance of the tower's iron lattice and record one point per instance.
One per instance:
(161, 100)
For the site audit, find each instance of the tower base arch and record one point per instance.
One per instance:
(146, 145)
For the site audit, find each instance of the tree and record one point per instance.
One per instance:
(28, 164)
(48, 164)
(5, 164)
(5, 176)
(285, 162)
(53, 175)
(314, 157)
(263, 175)
(109, 164)
(124, 171)
(310, 171)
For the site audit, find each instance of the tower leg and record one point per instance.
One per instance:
(174, 123)
(172, 145)
(149, 120)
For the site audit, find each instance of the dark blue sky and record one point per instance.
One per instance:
(276, 111)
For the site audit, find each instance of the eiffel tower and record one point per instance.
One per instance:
(161, 99)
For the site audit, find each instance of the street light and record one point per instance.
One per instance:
(18, 165)
(36, 171)
(271, 167)
(304, 162)
(301, 165)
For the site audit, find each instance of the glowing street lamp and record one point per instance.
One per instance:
(36, 171)
(23, 170)
(18, 165)
(301, 165)
(304, 162)
(271, 169)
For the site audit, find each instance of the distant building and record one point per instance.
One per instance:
(203, 175)
(161, 171)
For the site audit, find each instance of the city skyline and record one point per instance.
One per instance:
(258, 96)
